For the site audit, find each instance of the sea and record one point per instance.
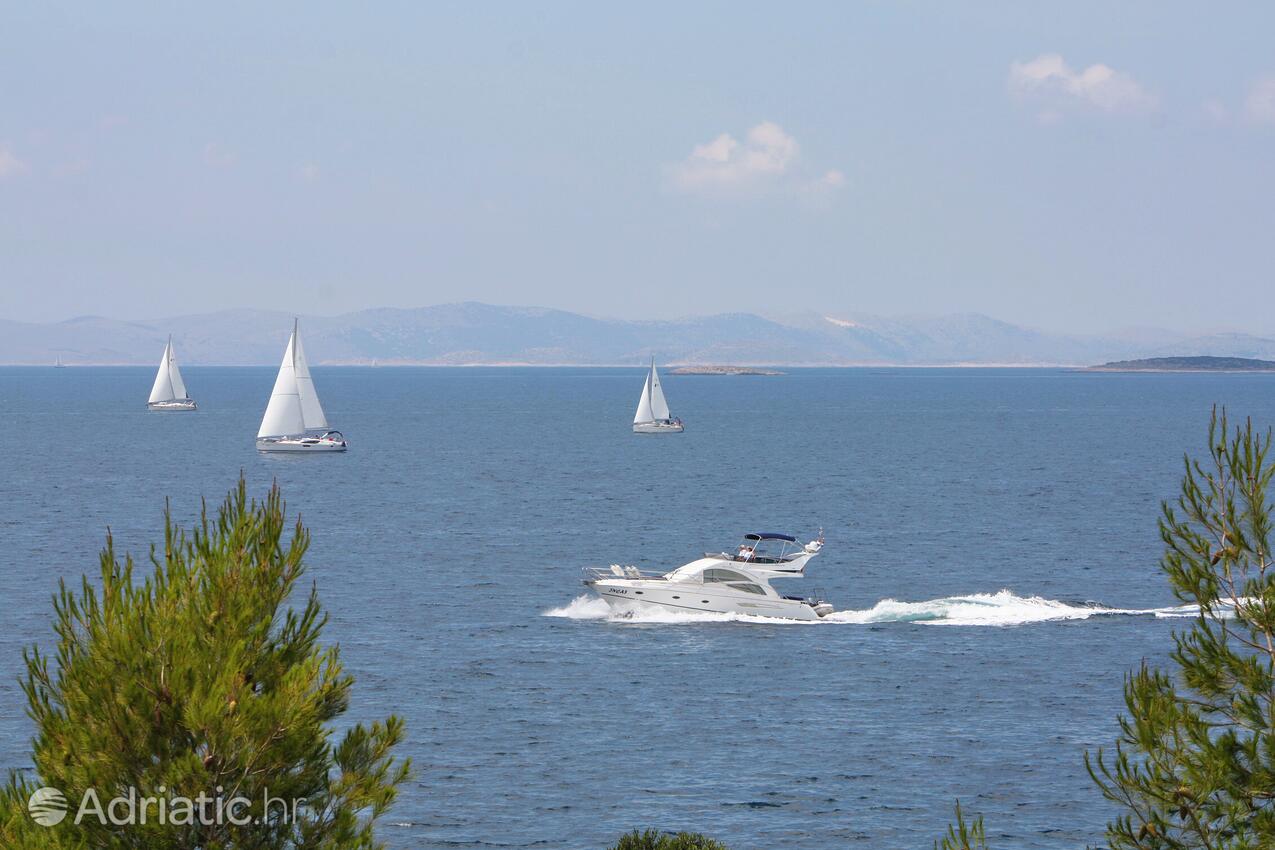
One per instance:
(991, 548)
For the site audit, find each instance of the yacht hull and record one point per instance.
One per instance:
(658, 428)
(674, 597)
(172, 406)
(300, 445)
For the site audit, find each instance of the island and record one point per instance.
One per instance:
(722, 370)
(1187, 364)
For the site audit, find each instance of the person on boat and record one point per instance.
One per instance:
(745, 552)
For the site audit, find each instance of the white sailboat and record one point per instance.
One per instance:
(58, 364)
(294, 420)
(169, 391)
(652, 415)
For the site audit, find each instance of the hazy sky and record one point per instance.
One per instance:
(1089, 166)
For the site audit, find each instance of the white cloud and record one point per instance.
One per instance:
(766, 159)
(1054, 85)
(10, 165)
(766, 153)
(1259, 106)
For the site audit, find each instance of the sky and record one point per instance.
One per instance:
(1073, 166)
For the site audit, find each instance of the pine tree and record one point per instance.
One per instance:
(197, 680)
(652, 839)
(1194, 764)
(962, 835)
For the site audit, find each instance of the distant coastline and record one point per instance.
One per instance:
(723, 370)
(514, 364)
(473, 333)
(1187, 364)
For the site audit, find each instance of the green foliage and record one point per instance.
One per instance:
(654, 840)
(195, 679)
(963, 836)
(1194, 764)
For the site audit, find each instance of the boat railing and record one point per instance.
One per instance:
(619, 571)
(760, 560)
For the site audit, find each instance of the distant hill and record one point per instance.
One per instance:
(1188, 364)
(472, 333)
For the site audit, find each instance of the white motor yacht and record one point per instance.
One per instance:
(725, 582)
(294, 420)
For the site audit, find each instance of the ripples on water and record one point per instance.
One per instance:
(1015, 507)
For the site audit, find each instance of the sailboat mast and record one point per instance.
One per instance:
(650, 387)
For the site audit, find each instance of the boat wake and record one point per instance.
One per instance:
(1003, 608)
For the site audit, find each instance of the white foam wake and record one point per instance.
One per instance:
(1003, 608)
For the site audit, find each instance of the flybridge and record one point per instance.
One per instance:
(772, 550)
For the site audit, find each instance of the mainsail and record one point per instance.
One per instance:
(168, 380)
(659, 407)
(175, 374)
(311, 410)
(294, 405)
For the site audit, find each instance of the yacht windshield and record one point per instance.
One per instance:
(765, 548)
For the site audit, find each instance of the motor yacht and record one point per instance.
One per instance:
(736, 582)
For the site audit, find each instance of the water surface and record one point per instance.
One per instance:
(447, 545)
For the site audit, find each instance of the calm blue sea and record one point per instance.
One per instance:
(447, 545)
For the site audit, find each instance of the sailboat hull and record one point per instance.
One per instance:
(175, 405)
(658, 428)
(301, 445)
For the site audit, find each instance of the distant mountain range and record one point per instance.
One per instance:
(473, 333)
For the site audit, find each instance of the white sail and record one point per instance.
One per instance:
(644, 404)
(283, 413)
(659, 407)
(163, 387)
(311, 410)
(651, 406)
(175, 374)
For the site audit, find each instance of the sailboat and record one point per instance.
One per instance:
(169, 391)
(294, 420)
(58, 364)
(652, 415)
